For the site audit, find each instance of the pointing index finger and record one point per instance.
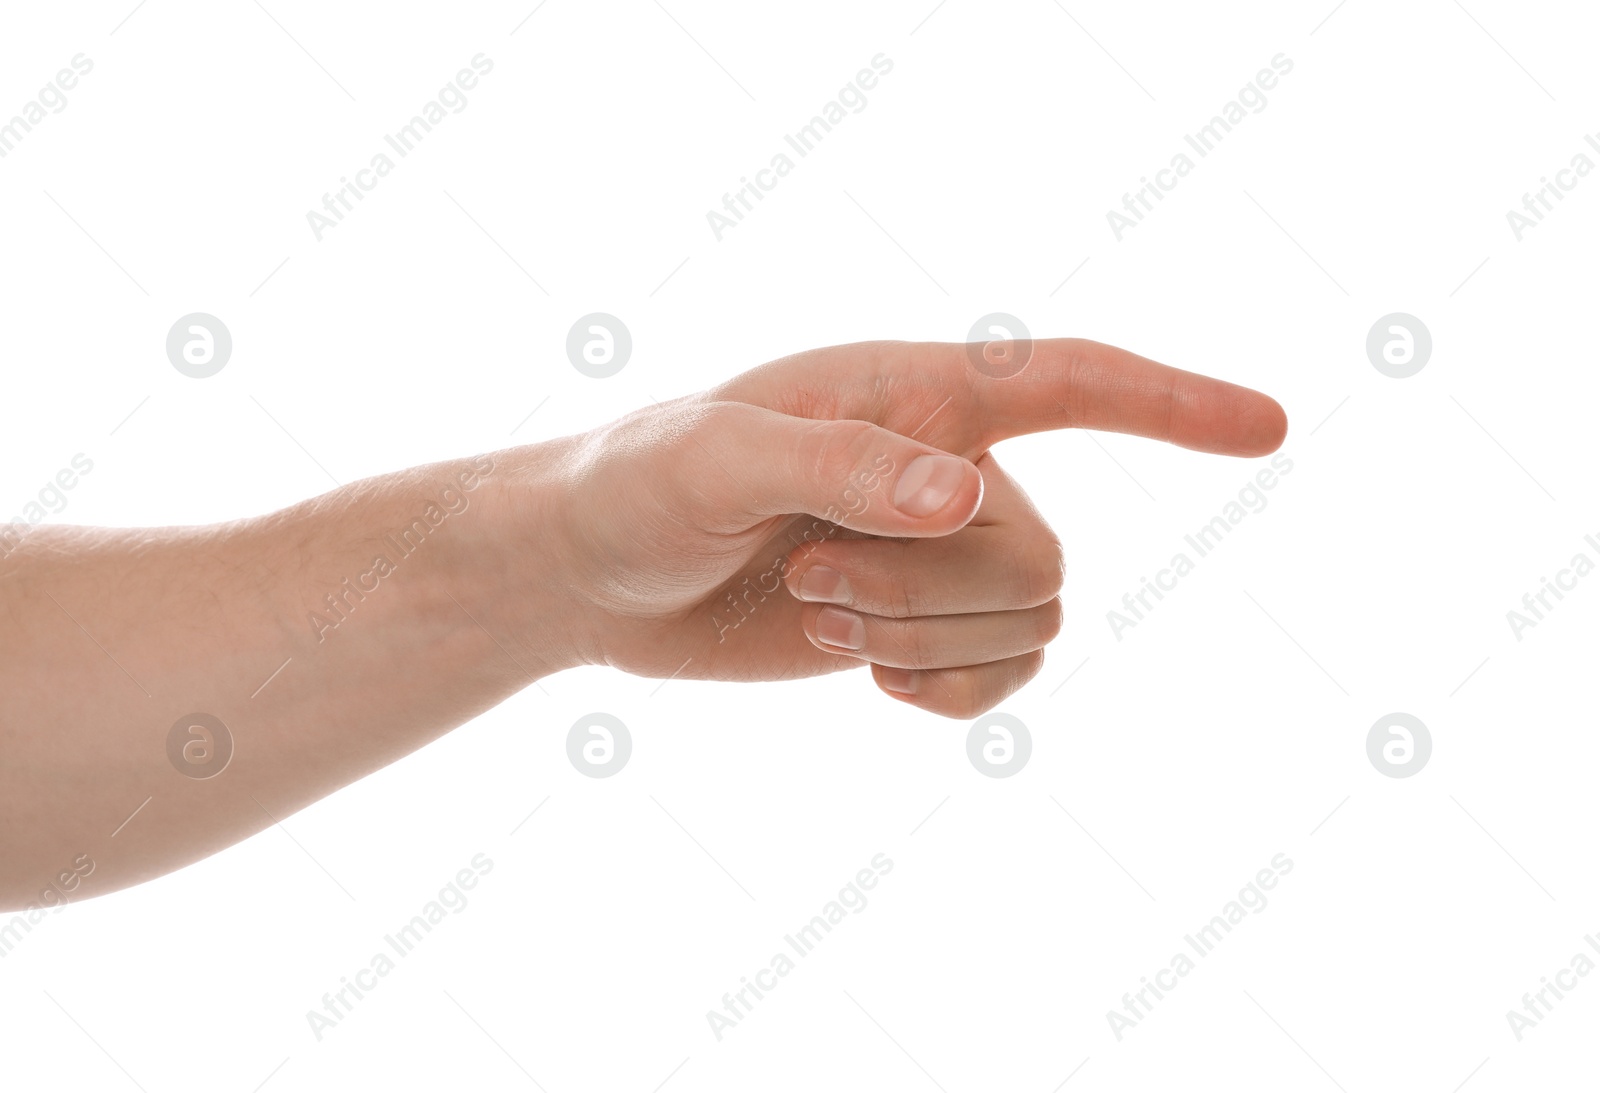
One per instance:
(1072, 383)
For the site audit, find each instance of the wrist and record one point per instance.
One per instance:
(454, 562)
(511, 568)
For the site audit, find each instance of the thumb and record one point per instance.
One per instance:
(852, 473)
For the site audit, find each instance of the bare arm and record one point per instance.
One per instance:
(833, 510)
(357, 606)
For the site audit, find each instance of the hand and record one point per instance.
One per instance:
(841, 507)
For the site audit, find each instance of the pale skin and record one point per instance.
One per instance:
(690, 539)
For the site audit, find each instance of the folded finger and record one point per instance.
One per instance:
(977, 569)
(939, 641)
(963, 692)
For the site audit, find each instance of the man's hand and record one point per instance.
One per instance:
(841, 507)
(829, 510)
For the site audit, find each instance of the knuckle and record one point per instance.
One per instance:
(969, 697)
(692, 434)
(970, 692)
(1050, 618)
(1075, 381)
(1041, 569)
(911, 590)
(713, 420)
(911, 641)
(692, 442)
(1023, 669)
(835, 449)
(1052, 564)
(901, 600)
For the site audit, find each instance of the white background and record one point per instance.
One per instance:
(1227, 727)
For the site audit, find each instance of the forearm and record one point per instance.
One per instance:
(329, 639)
